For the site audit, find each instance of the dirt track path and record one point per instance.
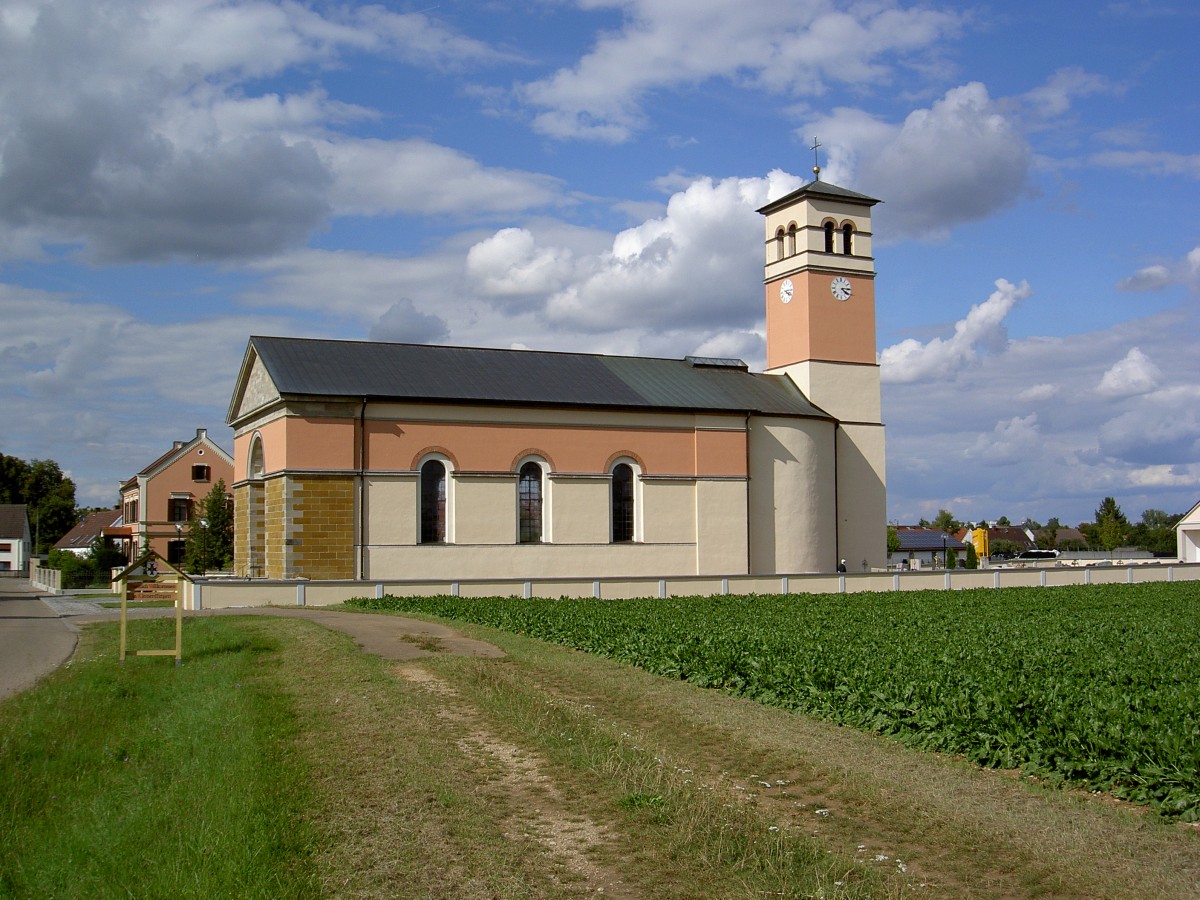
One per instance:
(388, 636)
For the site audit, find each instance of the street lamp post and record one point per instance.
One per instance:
(945, 551)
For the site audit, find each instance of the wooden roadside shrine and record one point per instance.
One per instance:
(150, 577)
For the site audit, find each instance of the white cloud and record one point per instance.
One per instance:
(139, 131)
(404, 323)
(692, 265)
(942, 359)
(1164, 275)
(1010, 442)
(1062, 88)
(1133, 375)
(373, 177)
(510, 264)
(1039, 392)
(1151, 278)
(1023, 430)
(960, 160)
(86, 382)
(1150, 162)
(797, 48)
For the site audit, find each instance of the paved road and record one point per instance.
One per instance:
(34, 641)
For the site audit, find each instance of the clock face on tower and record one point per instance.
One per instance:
(786, 290)
(840, 288)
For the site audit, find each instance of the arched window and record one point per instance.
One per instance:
(779, 244)
(829, 228)
(433, 502)
(529, 503)
(791, 239)
(847, 236)
(622, 503)
(257, 465)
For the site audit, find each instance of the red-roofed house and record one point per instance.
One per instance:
(95, 525)
(157, 503)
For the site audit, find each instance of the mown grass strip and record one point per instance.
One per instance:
(153, 780)
(1095, 686)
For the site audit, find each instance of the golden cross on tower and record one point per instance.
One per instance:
(816, 161)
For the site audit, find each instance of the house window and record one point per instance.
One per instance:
(529, 503)
(829, 228)
(131, 512)
(200, 473)
(622, 503)
(847, 235)
(791, 239)
(5, 548)
(175, 551)
(179, 510)
(433, 502)
(779, 244)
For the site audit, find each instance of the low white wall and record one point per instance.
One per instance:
(225, 593)
(49, 580)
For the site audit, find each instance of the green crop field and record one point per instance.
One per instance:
(1091, 686)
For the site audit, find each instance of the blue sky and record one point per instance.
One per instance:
(176, 176)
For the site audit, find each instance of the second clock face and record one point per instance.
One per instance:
(840, 288)
(786, 290)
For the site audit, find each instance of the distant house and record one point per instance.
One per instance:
(1064, 538)
(95, 525)
(924, 548)
(158, 502)
(1187, 532)
(15, 540)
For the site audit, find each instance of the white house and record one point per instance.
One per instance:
(15, 540)
(1187, 532)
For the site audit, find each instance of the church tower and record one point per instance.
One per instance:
(820, 299)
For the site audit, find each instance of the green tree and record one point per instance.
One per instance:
(946, 522)
(972, 556)
(1156, 532)
(209, 542)
(1112, 528)
(106, 557)
(893, 539)
(50, 496)
(1004, 549)
(1047, 538)
(77, 571)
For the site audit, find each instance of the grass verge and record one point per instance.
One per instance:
(154, 780)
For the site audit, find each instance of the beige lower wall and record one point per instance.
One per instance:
(580, 509)
(220, 593)
(490, 561)
(485, 509)
(793, 496)
(862, 497)
(721, 530)
(687, 526)
(669, 512)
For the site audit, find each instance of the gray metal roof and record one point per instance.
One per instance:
(429, 373)
(820, 188)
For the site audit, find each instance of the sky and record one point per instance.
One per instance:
(583, 175)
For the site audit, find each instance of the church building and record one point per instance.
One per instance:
(367, 460)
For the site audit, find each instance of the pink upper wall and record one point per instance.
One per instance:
(332, 444)
(177, 478)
